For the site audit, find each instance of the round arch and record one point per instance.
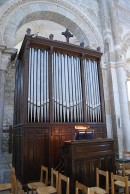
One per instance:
(56, 18)
(125, 46)
(125, 42)
(58, 11)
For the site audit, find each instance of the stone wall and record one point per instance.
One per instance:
(9, 96)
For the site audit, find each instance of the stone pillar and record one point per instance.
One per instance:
(107, 36)
(2, 87)
(5, 58)
(121, 75)
(111, 93)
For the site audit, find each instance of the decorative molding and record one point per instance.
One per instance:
(114, 65)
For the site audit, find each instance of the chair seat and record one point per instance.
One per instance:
(5, 186)
(50, 189)
(121, 184)
(47, 190)
(35, 185)
(97, 189)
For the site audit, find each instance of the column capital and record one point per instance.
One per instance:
(6, 56)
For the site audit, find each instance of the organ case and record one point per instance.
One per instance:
(58, 86)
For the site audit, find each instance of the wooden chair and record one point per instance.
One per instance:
(42, 183)
(11, 185)
(19, 189)
(126, 169)
(54, 184)
(120, 182)
(66, 180)
(80, 188)
(119, 168)
(126, 154)
(97, 188)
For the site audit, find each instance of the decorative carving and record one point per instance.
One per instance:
(51, 36)
(67, 34)
(82, 44)
(98, 49)
(28, 31)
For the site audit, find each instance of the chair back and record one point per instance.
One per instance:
(119, 168)
(13, 183)
(120, 181)
(80, 188)
(54, 178)
(12, 173)
(18, 189)
(106, 175)
(126, 167)
(44, 175)
(64, 183)
(126, 154)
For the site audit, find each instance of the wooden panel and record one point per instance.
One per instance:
(36, 144)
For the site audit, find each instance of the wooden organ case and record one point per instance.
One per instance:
(58, 86)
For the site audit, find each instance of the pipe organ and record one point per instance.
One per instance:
(58, 86)
(67, 90)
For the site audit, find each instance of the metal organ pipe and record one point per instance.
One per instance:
(66, 91)
(74, 81)
(93, 103)
(38, 101)
(66, 88)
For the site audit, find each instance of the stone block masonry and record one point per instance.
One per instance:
(5, 164)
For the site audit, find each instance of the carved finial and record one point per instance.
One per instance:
(82, 44)
(28, 31)
(98, 49)
(51, 36)
(67, 34)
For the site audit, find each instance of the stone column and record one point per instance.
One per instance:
(5, 58)
(111, 93)
(121, 75)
